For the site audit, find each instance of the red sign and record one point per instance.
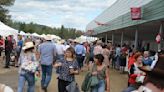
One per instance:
(158, 38)
(136, 13)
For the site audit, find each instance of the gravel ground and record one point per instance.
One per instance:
(10, 77)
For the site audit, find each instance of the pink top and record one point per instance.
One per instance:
(105, 53)
(97, 50)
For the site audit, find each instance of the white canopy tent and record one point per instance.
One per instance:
(6, 30)
(28, 34)
(43, 35)
(55, 37)
(36, 35)
(22, 33)
(82, 39)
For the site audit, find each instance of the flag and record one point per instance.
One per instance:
(101, 24)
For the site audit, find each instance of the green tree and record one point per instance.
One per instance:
(4, 17)
(62, 32)
(22, 26)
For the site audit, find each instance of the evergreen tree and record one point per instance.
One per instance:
(4, 17)
(64, 33)
(61, 33)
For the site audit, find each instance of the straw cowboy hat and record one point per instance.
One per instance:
(62, 41)
(99, 42)
(48, 38)
(158, 70)
(58, 42)
(28, 45)
(4, 88)
(77, 41)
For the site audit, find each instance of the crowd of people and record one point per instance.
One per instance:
(37, 57)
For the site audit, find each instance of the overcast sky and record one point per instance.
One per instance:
(54, 13)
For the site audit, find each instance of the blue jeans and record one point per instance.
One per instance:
(129, 89)
(118, 62)
(79, 59)
(100, 87)
(46, 75)
(30, 78)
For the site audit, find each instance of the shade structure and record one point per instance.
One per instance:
(82, 39)
(6, 30)
(22, 33)
(55, 37)
(36, 35)
(43, 36)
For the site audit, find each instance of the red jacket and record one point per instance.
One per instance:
(1, 42)
(132, 78)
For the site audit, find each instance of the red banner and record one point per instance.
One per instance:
(136, 13)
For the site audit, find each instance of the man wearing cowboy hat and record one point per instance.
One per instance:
(47, 53)
(154, 81)
(60, 50)
(80, 51)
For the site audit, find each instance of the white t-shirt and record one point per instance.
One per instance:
(66, 47)
(60, 49)
(154, 61)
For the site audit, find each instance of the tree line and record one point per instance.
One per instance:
(64, 33)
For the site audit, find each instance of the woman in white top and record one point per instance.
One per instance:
(28, 68)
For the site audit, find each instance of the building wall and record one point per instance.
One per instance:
(153, 10)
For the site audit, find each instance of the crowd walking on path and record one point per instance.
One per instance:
(37, 57)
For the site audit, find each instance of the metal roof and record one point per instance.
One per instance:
(119, 8)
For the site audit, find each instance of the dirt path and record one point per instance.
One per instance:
(117, 81)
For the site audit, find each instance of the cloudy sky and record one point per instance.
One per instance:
(54, 13)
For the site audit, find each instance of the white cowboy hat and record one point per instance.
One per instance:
(61, 42)
(4, 88)
(48, 37)
(8, 89)
(99, 42)
(28, 45)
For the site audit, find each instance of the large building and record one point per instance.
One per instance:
(116, 23)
